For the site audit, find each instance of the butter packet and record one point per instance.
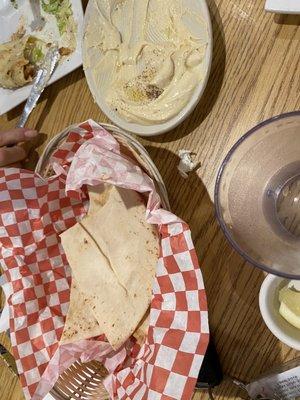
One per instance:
(282, 383)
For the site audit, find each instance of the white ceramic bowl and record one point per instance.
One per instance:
(269, 308)
(283, 6)
(152, 130)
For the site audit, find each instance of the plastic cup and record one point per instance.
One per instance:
(257, 195)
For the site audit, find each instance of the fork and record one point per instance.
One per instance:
(38, 22)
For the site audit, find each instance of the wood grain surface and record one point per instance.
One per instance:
(255, 75)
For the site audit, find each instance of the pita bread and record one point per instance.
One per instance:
(142, 330)
(80, 322)
(113, 254)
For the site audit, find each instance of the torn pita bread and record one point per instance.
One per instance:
(80, 322)
(113, 254)
(142, 330)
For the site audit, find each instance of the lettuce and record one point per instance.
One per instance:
(37, 55)
(51, 7)
(33, 50)
(62, 11)
(14, 4)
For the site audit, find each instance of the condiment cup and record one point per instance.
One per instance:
(269, 307)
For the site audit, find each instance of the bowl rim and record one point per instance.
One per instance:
(275, 329)
(218, 210)
(163, 127)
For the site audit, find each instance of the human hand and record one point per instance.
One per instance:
(14, 153)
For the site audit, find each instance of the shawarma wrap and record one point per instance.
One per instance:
(19, 60)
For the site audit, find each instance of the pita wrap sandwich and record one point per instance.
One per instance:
(19, 60)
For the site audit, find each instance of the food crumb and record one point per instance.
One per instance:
(64, 51)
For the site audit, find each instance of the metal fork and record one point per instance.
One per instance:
(39, 22)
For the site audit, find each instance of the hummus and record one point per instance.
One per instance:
(152, 54)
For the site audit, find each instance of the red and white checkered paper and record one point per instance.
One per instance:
(34, 211)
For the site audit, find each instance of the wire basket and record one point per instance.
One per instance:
(128, 144)
(84, 380)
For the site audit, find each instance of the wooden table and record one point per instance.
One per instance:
(255, 75)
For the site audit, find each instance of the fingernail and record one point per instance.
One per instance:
(30, 133)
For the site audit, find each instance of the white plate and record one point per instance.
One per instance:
(283, 6)
(152, 130)
(9, 20)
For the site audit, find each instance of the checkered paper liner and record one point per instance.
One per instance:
(34, 211)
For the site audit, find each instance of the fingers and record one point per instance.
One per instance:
(11, 155)
(16, 135)
(31, 161)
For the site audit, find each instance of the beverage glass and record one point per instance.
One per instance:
(257, 195)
